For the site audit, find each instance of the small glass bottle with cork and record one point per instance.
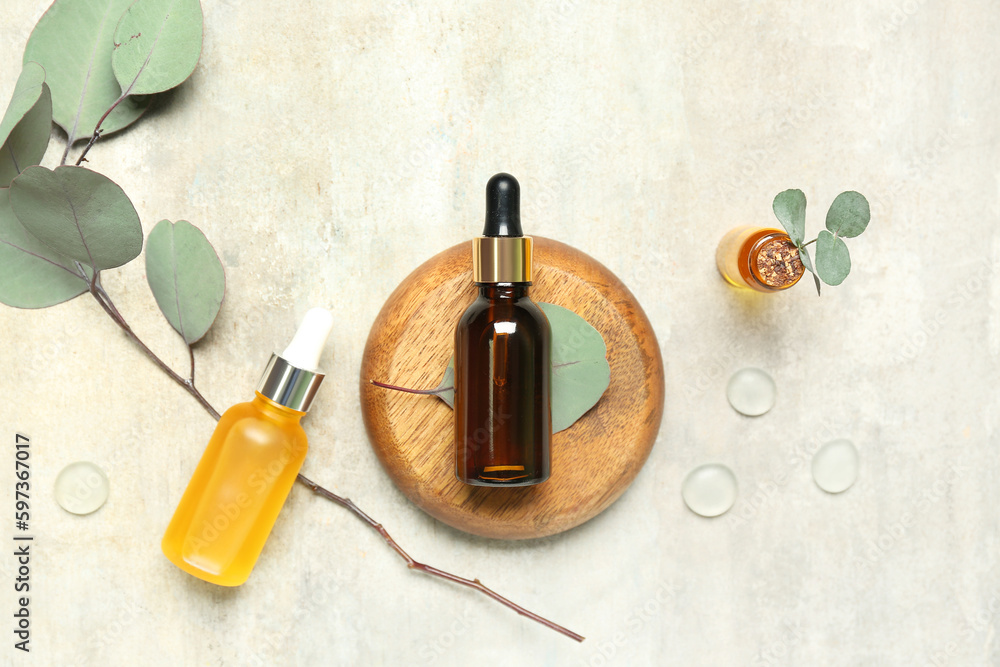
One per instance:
(759, 258)
(767, 259)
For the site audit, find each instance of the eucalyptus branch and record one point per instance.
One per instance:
(65, 155)
(97, 132)
(433, 571)
(108, 305)
(93, 140)
(102, 297)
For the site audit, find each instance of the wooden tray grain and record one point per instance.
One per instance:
(593, 461)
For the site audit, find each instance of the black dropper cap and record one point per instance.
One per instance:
(503, 206)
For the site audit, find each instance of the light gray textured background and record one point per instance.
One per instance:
(327, 149)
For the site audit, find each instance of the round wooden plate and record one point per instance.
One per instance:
(593, 461)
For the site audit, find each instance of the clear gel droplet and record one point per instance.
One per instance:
(81, 488)
(835, 466)
(709, 490)
(751, 392)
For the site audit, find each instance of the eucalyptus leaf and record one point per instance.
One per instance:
(790, 209)
(833, 261)
(580, 370)
(78, 213)
(807, 262)
(849, 214)
(73, 42)
(446, 388)
(26, 125)
(32, 275)
(157, 45)
(186, 277)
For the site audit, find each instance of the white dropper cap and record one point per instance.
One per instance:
(306, 347)
(292, 378)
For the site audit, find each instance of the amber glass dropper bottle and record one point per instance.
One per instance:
(503, 420)
(249, 466)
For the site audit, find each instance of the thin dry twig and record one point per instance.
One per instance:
(433, 571)
(426, 392)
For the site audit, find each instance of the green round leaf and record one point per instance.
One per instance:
(790, 209)
(446, 388)
(186, 277)
(157, 45)
(849, 214)
(78, 213)
(580, 370)
(32, 275)
(73, 42)
(833, 262)
(26, 125)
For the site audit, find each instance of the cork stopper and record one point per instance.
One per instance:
(776, 262)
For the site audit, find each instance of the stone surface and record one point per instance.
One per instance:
(327, 149)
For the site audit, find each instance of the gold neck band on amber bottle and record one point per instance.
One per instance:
(501, 259)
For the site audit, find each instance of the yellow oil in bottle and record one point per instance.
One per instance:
(236, 492)
(738, 253)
